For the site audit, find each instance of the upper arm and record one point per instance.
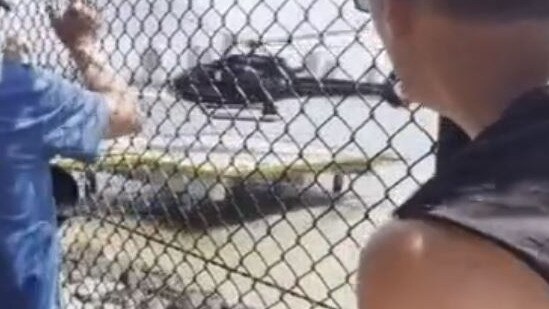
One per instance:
(420, 264)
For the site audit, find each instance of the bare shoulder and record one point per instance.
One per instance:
(421, 264)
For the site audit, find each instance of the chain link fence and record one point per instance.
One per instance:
(272, 149)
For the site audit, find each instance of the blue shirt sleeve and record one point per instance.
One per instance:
(75, 120)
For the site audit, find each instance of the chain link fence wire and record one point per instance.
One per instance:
(272, 149)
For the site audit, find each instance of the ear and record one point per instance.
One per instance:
(400, 17)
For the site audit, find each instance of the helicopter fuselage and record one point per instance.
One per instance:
(243, 80)
(237, 80)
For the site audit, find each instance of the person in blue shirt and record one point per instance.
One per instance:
(43, 116)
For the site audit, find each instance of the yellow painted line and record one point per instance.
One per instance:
(149, 162)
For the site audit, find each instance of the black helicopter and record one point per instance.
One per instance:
(242, 80)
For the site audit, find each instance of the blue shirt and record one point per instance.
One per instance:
(41, 116)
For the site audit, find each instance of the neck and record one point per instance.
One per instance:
(487, 69)
(482, 108)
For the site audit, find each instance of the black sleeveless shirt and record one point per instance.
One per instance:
(498, 185)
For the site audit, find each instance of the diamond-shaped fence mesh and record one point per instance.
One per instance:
(272, 149)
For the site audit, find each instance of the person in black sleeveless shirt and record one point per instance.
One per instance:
(476, 236)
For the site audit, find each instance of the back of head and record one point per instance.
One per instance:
(493, 10)
(453, 53)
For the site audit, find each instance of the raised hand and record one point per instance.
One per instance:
(78, 26)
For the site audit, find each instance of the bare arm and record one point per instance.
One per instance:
(121, 98)
(77, 29)
(428, 265)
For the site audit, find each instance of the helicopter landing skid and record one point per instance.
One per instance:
(215, 106)
(243, 112)
(239, 116)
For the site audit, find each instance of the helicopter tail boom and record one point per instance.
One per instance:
(336, 87)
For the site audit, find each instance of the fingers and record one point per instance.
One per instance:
(18, 44)
(52, 14)
(85, 12)
(78, 13)
(82, 7)
(16, 48)
(53, 11)
(76, 5)
(76, 8)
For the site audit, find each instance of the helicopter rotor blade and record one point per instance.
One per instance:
(292, 38)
